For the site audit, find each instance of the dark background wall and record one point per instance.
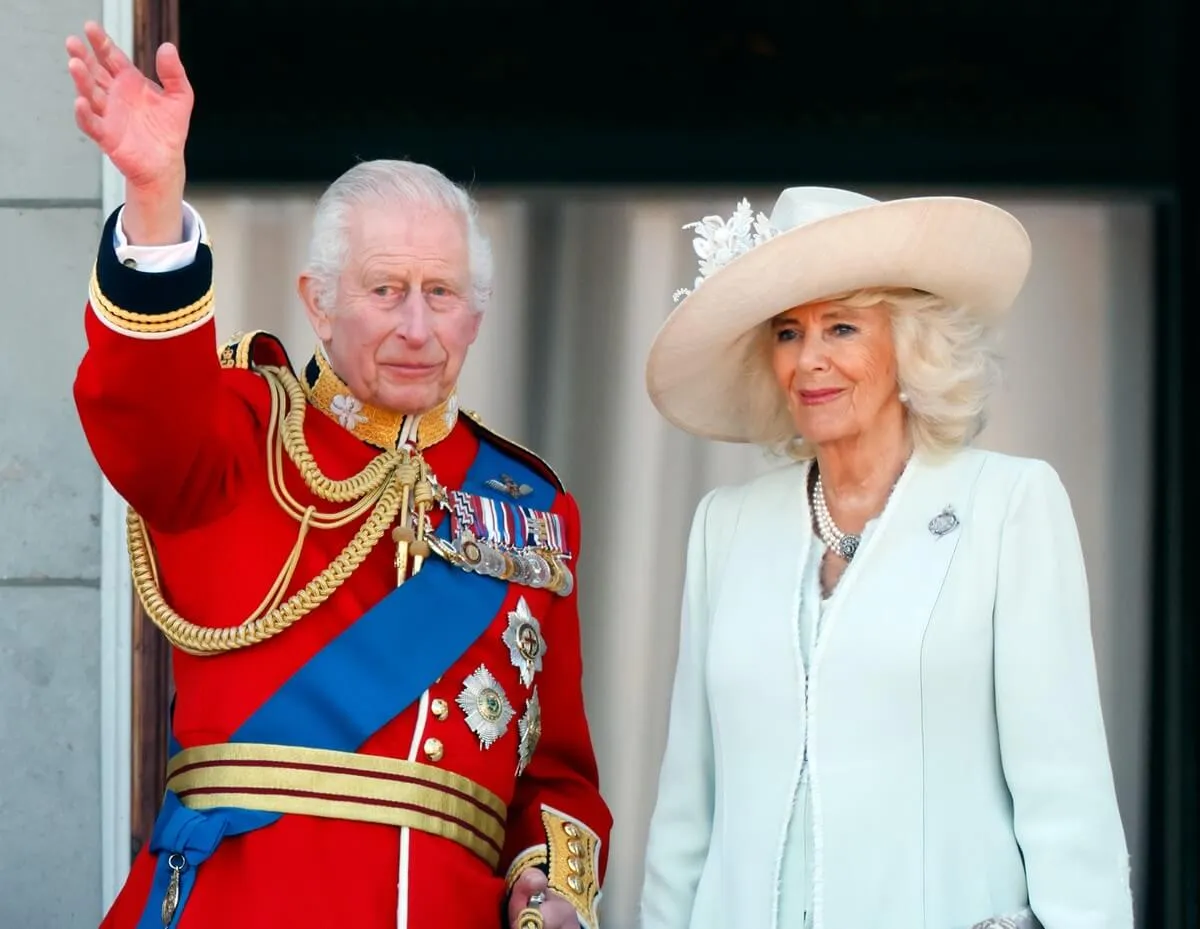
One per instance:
(1065, 92)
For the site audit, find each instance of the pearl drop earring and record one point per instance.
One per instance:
(904, 398)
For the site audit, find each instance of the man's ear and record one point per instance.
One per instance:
(315, 298)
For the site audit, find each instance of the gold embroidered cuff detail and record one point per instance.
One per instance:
(574, 855)
(149, 323)
(534, 857)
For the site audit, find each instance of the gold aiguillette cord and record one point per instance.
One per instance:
(403, 535)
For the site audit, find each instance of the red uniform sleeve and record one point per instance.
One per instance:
(558, 821)
(172, 431)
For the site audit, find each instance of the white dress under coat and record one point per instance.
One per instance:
(957, 761)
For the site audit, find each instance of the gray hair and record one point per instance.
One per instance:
(404, 183)
(947, 364)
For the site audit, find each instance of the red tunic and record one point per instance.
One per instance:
(182, 438)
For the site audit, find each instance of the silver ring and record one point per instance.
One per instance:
(537, 899)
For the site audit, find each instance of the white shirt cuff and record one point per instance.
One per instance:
(157, 259)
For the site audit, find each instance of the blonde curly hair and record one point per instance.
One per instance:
(948, 365)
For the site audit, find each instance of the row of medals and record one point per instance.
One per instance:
(529, 567)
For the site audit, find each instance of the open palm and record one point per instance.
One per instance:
(141, 126)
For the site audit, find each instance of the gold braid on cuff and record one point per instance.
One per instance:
(534, 857)
(149, 323)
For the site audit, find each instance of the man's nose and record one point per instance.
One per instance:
(414, 323)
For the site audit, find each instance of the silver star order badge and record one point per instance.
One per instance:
(530, 728)
(525, 643)
(487, 708)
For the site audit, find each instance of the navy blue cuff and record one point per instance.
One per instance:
(144, 302)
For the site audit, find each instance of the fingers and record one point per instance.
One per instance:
(85, 86)
(557, 913)
(110, 57)
(87, 120)
(78, 51)
(171, 74)
(530, 882)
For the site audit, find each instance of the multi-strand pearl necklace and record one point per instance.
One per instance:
(835, 540)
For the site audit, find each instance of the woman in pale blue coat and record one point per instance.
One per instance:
(885, 710)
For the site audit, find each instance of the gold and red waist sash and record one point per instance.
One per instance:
(341, 785)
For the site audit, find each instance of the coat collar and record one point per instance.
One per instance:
(901, 566)
(908, 550)
(374, 425)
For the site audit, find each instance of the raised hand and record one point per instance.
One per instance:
(141, 126)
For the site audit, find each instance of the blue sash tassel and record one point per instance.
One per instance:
(194, 834)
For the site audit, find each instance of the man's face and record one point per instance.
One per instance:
(398, 327)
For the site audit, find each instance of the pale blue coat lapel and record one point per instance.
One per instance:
(903, 554)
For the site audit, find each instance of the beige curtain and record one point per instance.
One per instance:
(584, 280)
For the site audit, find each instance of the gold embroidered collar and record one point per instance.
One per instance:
(375, 426)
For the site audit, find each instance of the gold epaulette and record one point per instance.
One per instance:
(255, 349)
(530, 458)
(236, 352)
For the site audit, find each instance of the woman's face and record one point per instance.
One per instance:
(837, 367)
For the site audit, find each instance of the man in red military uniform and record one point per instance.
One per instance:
(379, 718)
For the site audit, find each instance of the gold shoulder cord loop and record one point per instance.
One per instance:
(383, 487)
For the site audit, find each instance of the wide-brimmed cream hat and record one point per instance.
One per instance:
(708, 371)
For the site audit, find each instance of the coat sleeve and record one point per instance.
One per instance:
(1052, 739)
(681, 824)
(167, 429)
(558, 821)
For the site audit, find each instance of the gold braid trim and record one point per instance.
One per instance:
(534, 857)
(378, 487)
(148, 322)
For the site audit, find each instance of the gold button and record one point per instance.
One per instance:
(570, 829)
(434, 749)
(441, 709)
(575, 883)
(574, 865)
(575, 847)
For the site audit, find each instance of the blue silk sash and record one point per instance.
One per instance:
(369, 674)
